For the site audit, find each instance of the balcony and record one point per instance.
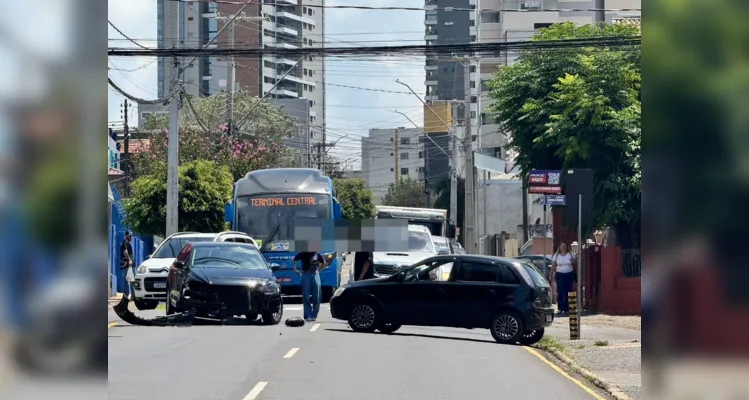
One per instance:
(431, 98)
(285, 30)
(430, 21)
(429, 67)
(296, 79)
(432, 82)
(312, 114)
(285, 61)
(294, 17)
(286, 92)
(284, 45)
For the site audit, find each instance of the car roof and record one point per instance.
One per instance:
(192, 234)
(223, 244)
(476, 257)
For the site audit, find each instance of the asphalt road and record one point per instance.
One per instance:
(323, 360)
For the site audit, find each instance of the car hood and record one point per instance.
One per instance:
(158, 264)
(229, 275)
(365, 282)
(399, 258)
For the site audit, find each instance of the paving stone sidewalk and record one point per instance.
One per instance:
(610, 352)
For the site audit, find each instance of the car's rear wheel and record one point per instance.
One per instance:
(364, 317)
(273, 317)
(507, 327)
(532, 337)
(389, 328)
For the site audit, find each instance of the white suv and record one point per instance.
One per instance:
(149, 287)
(420, 246)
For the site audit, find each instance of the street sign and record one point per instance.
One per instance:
(554, 199)
(544, 181)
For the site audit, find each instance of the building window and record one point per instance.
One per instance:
(472, 68)
(404, 171)
(391, 154)
(391, 139)
(473, 114)
(473, 99)
(405, 140)
(420, 169)
(421, 154)
(541, 25)
(404, 156)
(473, 22)
(472, 84)
(391, 170)
(189, 18)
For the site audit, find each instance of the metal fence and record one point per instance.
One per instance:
(631, 262)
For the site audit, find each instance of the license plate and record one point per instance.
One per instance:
(549, 318)
(284, 279)
(159, 285)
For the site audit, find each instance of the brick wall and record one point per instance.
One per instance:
(617, 294)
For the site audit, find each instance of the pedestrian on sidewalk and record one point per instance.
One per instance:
(126, 261)
(563, 275)
(312, 262)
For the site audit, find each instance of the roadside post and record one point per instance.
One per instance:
(579, 199)
(573, 315)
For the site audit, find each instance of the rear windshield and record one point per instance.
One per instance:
(171, 248)
(538, 280)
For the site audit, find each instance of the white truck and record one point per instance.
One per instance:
(434, 219)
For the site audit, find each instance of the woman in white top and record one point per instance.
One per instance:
(563, 274)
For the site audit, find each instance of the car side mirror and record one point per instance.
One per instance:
(443, 250)
(275, 267)
(179, 264)
(450, 232)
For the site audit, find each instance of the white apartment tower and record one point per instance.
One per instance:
(380, 158)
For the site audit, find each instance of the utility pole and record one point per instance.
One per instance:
(395, 140)
(454, 182)
(470, 209)
(600, 15)
(126, 150)
(426, 177)
(172, 178)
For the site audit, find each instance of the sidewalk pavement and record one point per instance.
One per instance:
(609, 353)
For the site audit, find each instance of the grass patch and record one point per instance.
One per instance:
(601, 343)
(579, 346)
(551, 343)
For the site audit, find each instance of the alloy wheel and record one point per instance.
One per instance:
(363, 316)
(506, 327)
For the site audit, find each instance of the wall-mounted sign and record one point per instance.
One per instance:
(544, 181)
(530, 4)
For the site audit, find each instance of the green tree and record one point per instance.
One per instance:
(258, 143)
(204, 188)
(443, 201)
(406, 193)
(357, 201)
(579, 108)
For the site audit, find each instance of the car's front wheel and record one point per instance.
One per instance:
(273, 316)
(532, 337)
(389, 328)
(507, 328)
(364, 317)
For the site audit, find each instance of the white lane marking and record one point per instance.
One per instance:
(314, 327)
(292, 308)
(255, 391)
(291, 352)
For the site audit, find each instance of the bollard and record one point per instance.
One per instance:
(574, 320)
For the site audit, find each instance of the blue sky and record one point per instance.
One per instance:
(350, 112)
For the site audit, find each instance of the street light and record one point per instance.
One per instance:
(574, 246)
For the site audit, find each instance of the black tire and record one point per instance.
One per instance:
(532, 337)
(364, 317)
(143, 305)
(252, 316)
(507, 327)
(273, 317)
(389, 328)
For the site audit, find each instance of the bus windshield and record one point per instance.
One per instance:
(257, 215)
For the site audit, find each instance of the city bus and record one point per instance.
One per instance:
(265, 204)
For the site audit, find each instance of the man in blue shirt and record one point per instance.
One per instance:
(312, 262)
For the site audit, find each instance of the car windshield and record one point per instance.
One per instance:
(440, 241)
(537, 278)
(420, 242)
(172, 246)
(258, 215)
(240, 256)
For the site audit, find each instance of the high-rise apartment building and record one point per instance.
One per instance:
(384, 162)
(270, 24)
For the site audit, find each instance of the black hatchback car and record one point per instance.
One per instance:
(508, 297)
(223, 279)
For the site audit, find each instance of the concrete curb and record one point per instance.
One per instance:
(611, 389)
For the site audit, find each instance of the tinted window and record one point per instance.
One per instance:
(420, 241)
(536, 276)
(171, 247)
(507, 276)
(478, 272)
(227, 256)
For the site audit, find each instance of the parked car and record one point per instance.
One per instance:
(149, 287)
(223, 279)
(420, 246)
(538, 261)
(510, 298)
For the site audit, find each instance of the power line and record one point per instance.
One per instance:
(379, 8)
(125, 36)
(475, 48)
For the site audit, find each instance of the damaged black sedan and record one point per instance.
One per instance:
(223, 280)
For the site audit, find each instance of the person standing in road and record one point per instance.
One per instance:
(363, 268)
(563, 275)
(312, 262)
(126, 259)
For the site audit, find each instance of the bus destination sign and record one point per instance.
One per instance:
(283, 201)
